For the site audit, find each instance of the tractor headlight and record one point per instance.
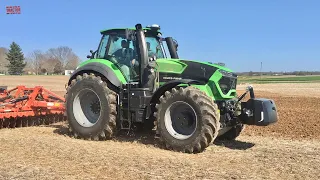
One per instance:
(226, 73)
(228, 81)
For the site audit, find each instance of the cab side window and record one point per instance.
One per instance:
(102, 48)
(153, 47)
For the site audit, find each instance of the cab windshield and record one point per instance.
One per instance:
(117, 45)
(116, 48)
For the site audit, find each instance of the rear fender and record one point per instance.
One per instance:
(102, 69)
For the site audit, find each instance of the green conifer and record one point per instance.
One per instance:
(16, 59)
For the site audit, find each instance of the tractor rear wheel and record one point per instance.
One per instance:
(187, 120)
(91, 108)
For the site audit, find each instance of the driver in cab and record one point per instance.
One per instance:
(126, 57)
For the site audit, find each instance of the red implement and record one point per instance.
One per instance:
(23, 106)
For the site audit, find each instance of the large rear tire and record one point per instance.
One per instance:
(187, 120)
(91, 108)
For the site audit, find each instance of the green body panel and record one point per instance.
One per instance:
(176, 64)
(104, 62)
(216, 90)
(212, 88)
(171, 66)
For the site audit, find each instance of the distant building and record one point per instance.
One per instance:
(68, 72)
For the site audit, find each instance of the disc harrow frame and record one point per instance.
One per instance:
(22, 107)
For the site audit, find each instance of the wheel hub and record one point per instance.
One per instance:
(180, 120)
(87, 107)
(95, 107)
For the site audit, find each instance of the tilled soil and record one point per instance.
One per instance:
(45, 153)
(288, 89)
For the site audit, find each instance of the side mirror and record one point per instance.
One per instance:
(92, 54)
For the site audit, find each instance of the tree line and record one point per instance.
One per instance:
(271, 73)
(53, 61)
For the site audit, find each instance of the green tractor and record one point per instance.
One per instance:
(130, 81)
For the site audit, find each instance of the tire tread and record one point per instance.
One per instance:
(109, 130)
(210, 123)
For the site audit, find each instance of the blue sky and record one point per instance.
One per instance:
(284, 34)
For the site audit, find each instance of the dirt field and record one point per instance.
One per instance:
(289, 149)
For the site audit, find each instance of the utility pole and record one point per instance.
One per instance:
(261, 70)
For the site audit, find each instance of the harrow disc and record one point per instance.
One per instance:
(29, 121)
(24, 122)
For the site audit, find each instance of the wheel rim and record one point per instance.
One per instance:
(87, 107)
(180, 120)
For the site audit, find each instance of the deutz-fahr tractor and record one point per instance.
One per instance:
(132, 82)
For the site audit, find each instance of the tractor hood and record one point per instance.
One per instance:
(213, 65)
(171, 69)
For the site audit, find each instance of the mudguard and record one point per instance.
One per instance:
(169, 85)
(106, 71)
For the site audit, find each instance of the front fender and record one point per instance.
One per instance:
(171, 84)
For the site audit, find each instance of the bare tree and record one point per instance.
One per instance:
(65, 55)
(28, 68)
(72, 62)
(50, 64)
(3, 61)
(58, 69)
(36, 61)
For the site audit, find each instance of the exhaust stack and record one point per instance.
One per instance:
(143, 55)
(172, 48)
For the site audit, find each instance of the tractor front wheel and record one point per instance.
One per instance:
(232, 134)
(187, 120)
(91, 108)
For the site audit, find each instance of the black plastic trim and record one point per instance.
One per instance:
(194, 70)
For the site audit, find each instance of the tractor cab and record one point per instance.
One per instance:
(121, 47)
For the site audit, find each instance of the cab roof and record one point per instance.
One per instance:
(119, 29)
